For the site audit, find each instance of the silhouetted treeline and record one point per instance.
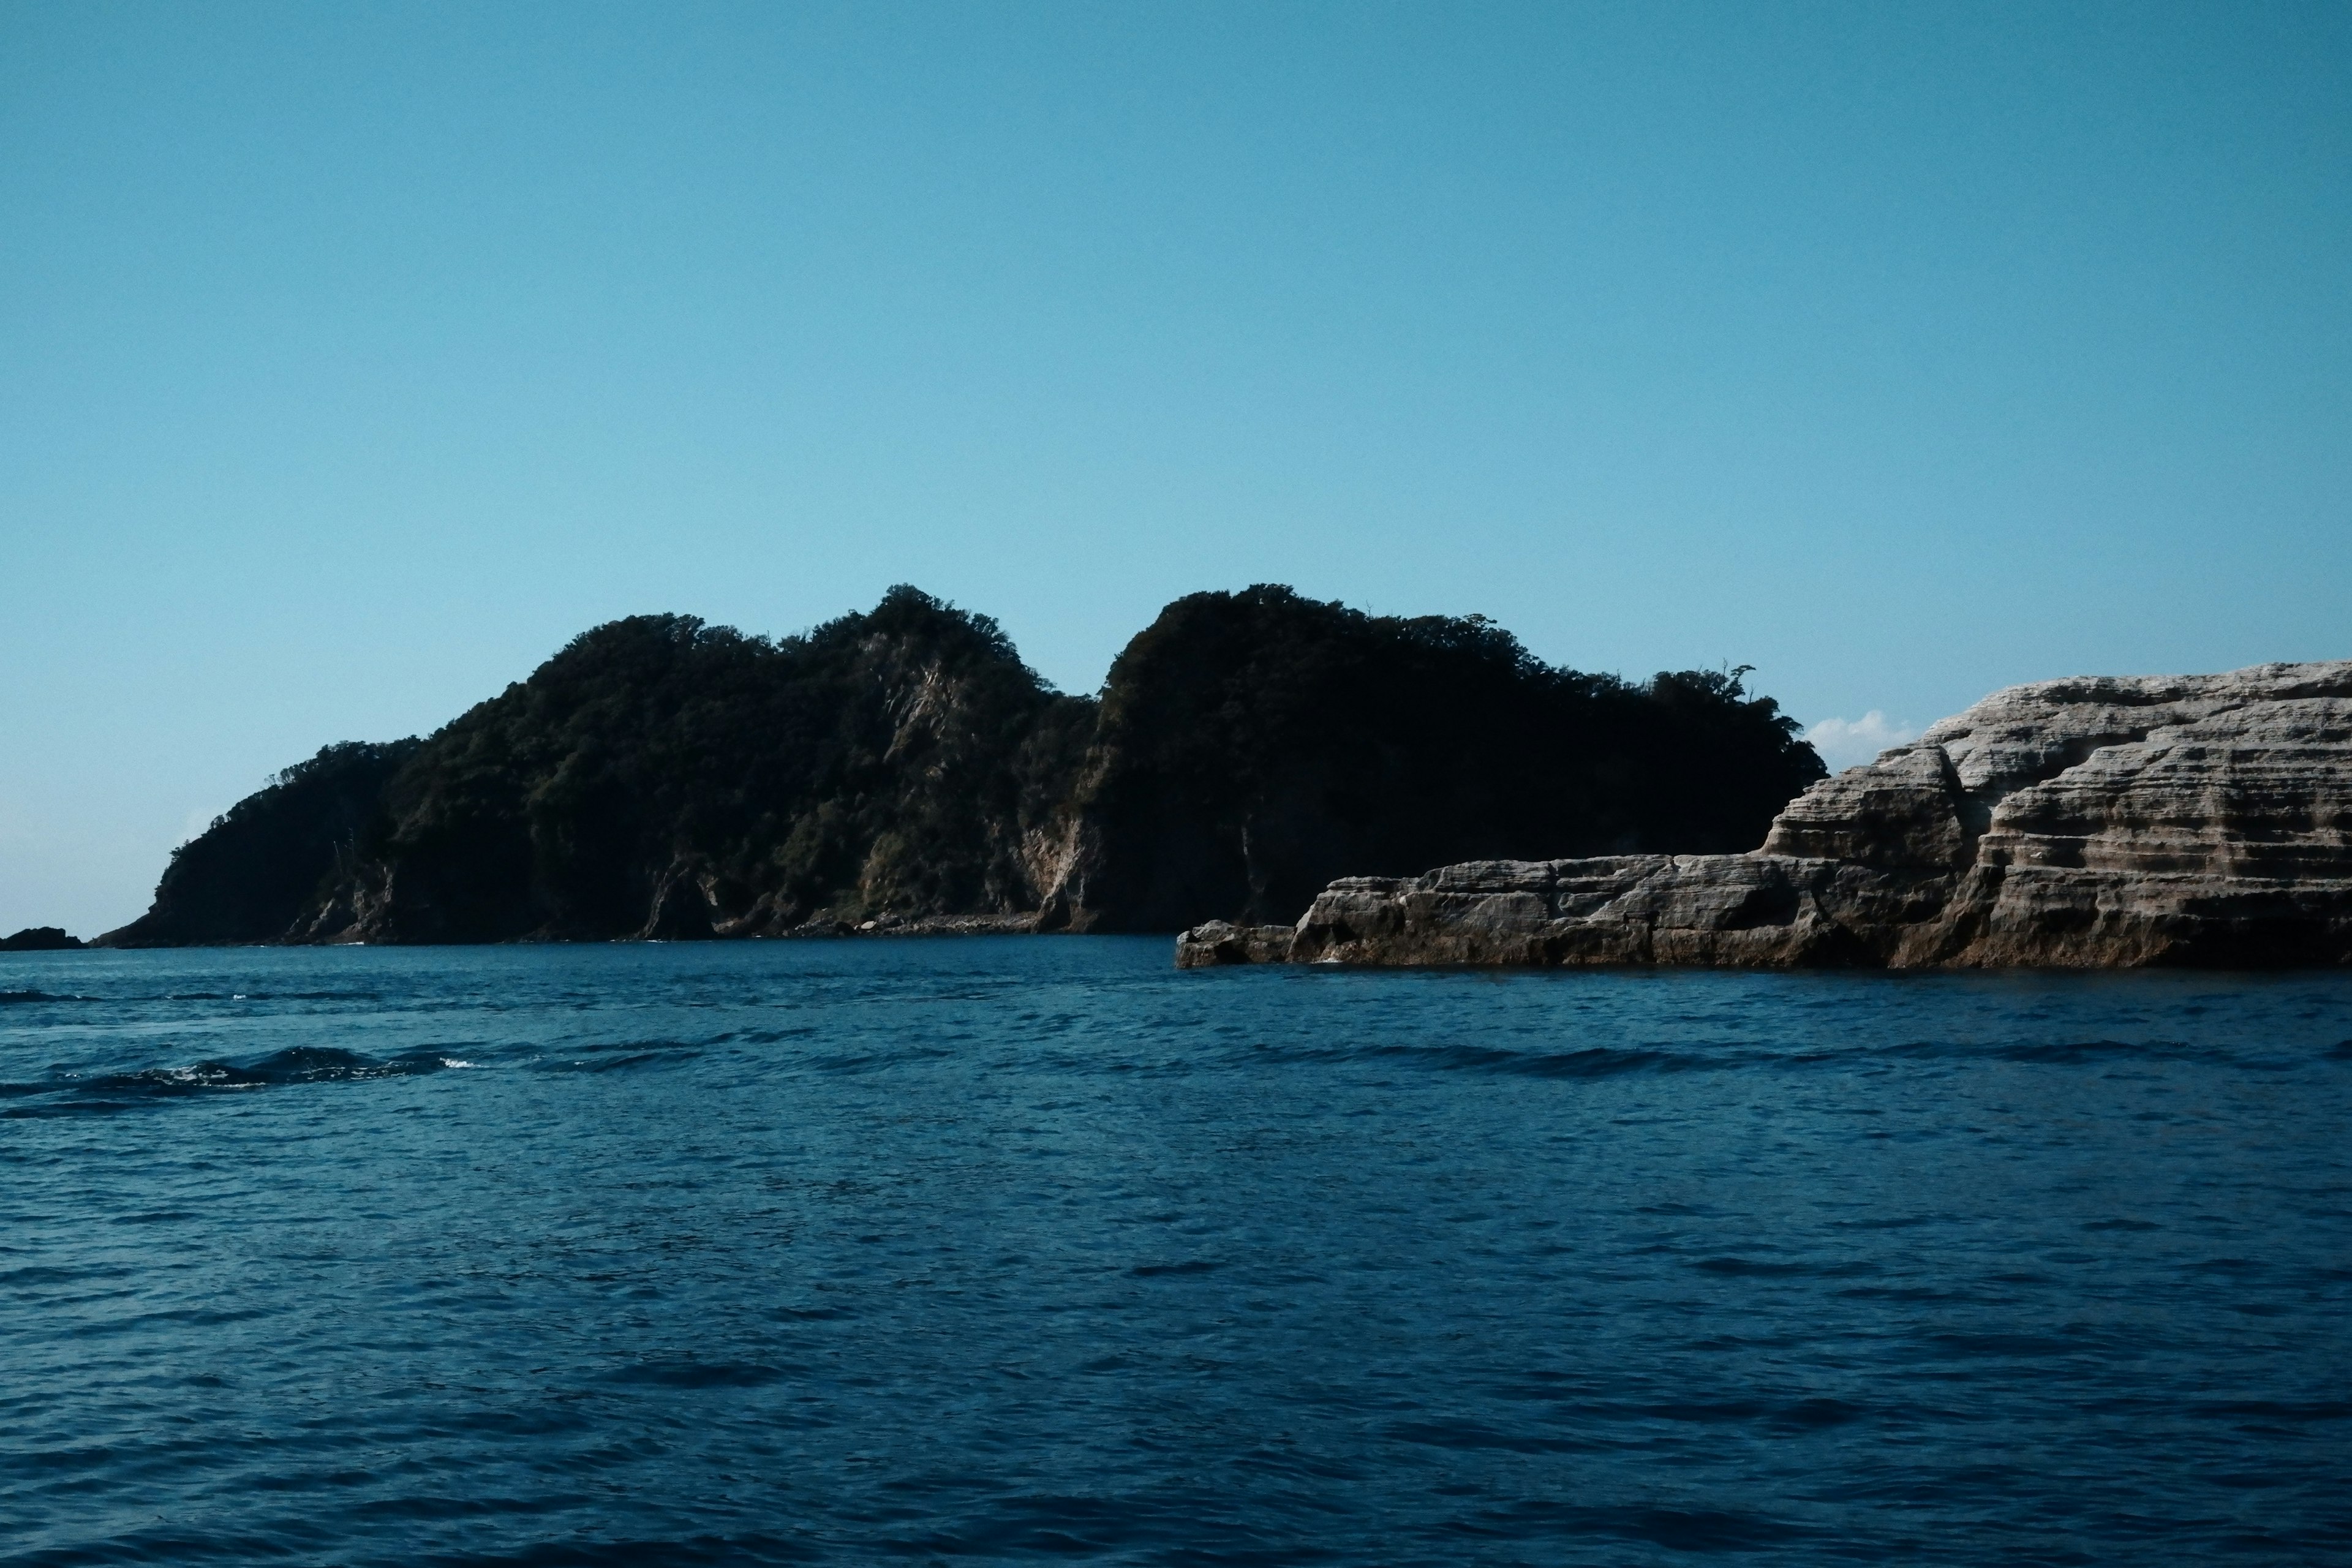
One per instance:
(659, 777)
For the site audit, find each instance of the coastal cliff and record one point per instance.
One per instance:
(902, 770)
(2194, 820)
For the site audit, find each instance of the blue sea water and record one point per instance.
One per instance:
(1036, 1248)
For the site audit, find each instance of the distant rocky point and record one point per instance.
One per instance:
(38, 939)
(2104, 822)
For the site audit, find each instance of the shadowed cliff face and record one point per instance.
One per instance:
(660, 778)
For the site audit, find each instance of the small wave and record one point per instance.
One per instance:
(674, 1551)
(1458, 1433)
(1694, 1531)
(2063, 1053)
(39, 995)
(636, 1059)
(2275, 1410)
(620, 1057)
(2022, 1346)
(1819, 1415)
(306, 996)
(1593, 1061)
(1814, 1415)
(2072, 1051)
(699, 1374)
(1729, 1056)
(849, 1064)
(297, 1064)
(1755, 1268)
(766, 1037)
(328, 1064)
(35, 1275)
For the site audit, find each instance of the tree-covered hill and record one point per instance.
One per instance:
(659, 777)
(1252, 746)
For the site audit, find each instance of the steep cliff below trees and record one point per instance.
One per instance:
(659, 778)
(2086, 823)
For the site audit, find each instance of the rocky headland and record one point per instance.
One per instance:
(2089, 823)
(902, 771)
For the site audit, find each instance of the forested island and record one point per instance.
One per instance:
(902, 769)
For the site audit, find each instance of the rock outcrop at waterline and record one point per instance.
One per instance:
(39, 939)
(2087, 823)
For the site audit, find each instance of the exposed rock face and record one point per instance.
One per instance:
(2081, 823)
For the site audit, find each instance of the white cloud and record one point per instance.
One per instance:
(1849, 742)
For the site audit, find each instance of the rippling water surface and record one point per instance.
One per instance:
(959, 1248)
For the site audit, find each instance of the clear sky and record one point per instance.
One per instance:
(354, 357)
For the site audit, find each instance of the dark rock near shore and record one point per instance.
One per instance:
(39, 939)
(1221, 942)
(2198, 820)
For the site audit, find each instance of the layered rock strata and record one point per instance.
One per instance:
(2085, 823)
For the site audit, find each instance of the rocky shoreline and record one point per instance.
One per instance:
(2089, 823)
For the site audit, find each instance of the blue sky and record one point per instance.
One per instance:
(352, 358)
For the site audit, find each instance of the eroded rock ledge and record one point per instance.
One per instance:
(2087, 823)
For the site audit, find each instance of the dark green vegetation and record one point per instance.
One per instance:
(257, 871)
(38, 939)
(1252, 746)
(663, 778)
